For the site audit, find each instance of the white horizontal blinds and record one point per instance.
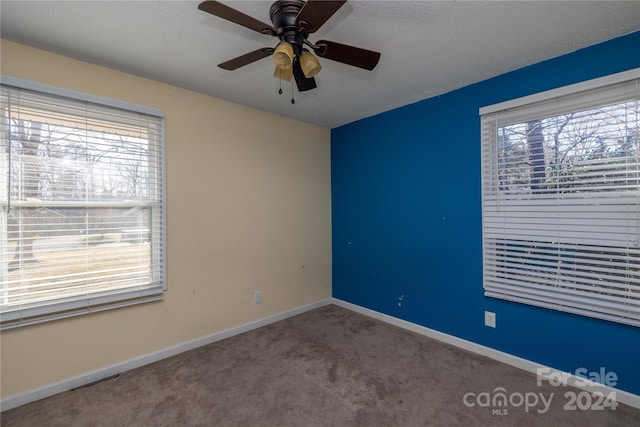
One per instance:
(561, 202)
(82, 207)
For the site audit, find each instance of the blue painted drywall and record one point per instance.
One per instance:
(407, 221)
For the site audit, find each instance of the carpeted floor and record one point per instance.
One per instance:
(328, 367)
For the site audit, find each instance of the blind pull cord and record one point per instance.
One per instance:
(9, 165)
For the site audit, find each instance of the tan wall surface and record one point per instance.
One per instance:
(248, 205)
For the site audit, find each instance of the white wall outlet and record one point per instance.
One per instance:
(257, 297)
(489, 319)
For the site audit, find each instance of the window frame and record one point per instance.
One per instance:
(586, 95)
(102, 300)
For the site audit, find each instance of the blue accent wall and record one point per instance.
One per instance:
(407, 237)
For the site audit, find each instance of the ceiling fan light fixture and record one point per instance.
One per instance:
(285, 74)
(293, 21)
(309, 63)
(283, 56)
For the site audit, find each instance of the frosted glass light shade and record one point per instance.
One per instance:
(283, 56)
(309, 63)
(285, 74)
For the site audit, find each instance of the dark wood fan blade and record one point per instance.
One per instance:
(349, 55)
(302, 82)
(230, 14)
(246, 59)
(315, 13)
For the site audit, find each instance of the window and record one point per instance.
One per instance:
(561, 199)
(81, 198)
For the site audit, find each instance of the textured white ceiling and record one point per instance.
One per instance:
(428, 47)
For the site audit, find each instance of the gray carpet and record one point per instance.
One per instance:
(328, 367)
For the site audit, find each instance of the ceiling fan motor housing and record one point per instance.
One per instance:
(283, 14)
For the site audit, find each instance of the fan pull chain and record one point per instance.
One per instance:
(293, 101)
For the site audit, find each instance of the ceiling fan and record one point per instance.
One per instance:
(293, 22)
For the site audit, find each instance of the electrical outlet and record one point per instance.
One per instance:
(489, 319)
(257, 297)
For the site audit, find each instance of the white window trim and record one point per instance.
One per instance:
(562, 91)
(105, 300)
(79, 96)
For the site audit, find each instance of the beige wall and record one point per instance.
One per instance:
(248, 205)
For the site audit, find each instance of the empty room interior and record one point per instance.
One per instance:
(320, 213)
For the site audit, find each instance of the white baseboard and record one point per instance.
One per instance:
(621, 396)
(68, 384)
(89, 377)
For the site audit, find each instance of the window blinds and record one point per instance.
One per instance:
(82, 218)
(561, 199)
